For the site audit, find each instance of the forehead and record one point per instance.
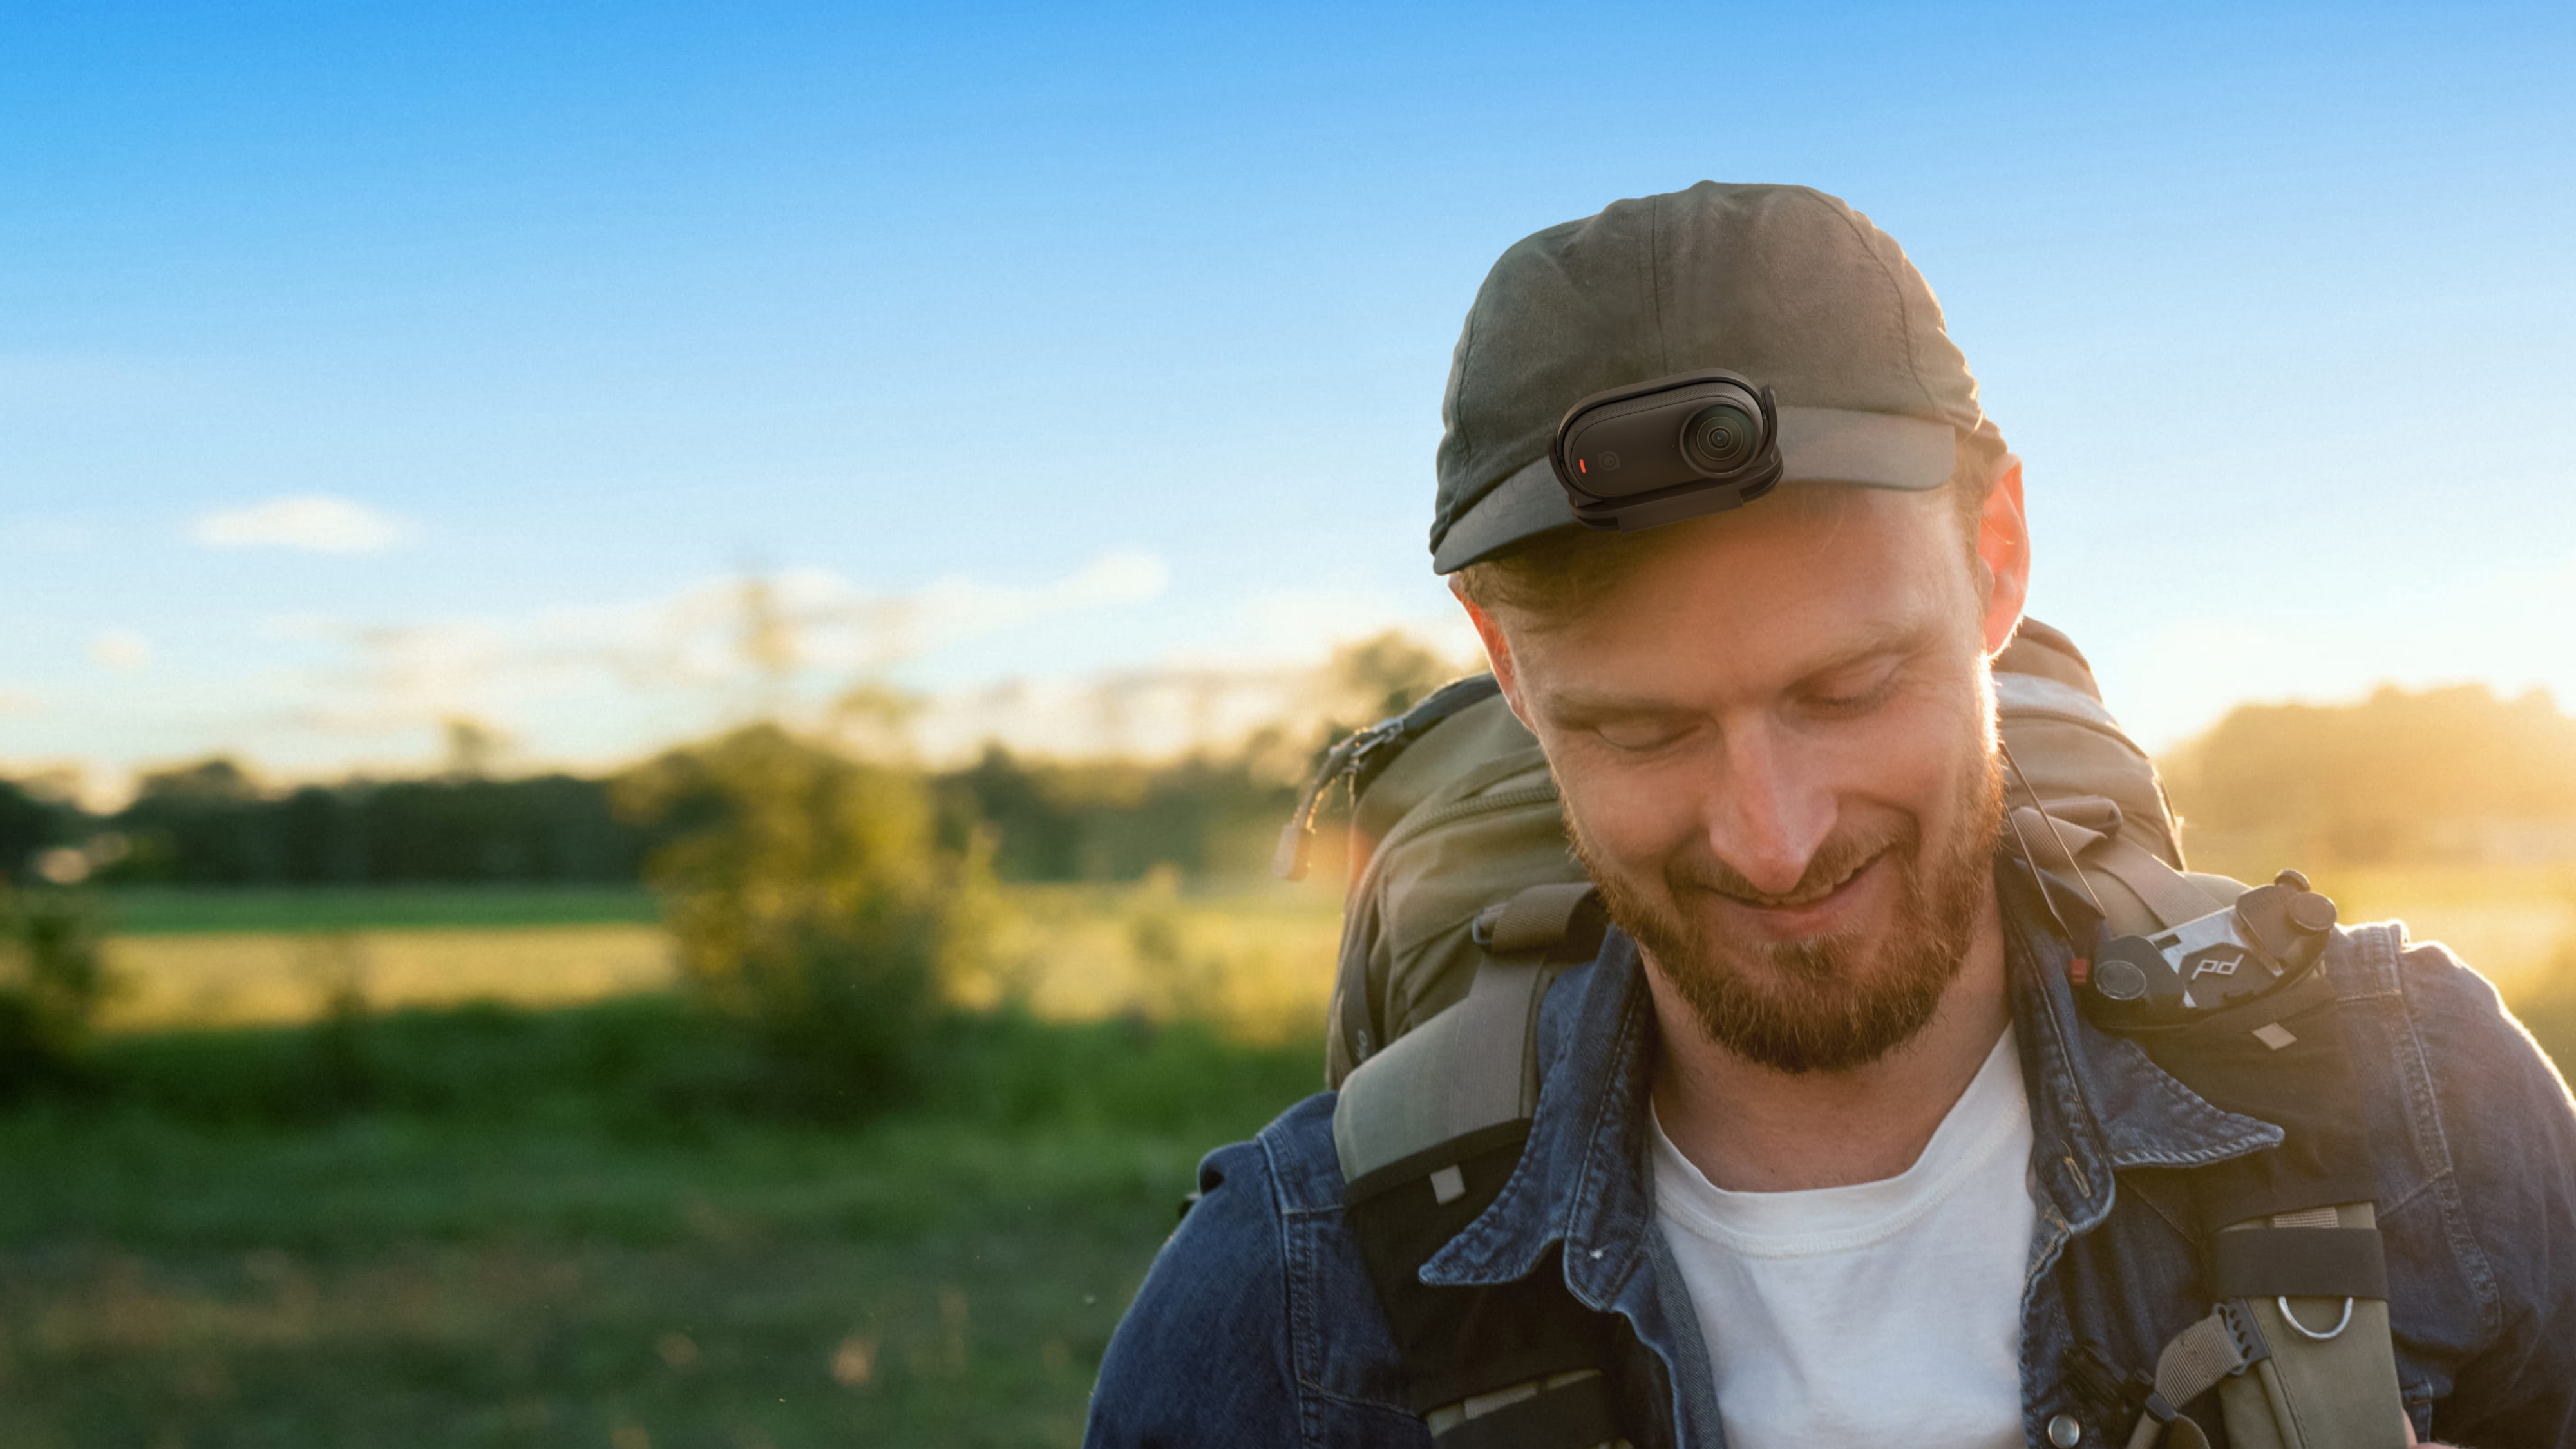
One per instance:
(1756, 598)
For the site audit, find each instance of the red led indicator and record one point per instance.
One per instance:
(1581, 467)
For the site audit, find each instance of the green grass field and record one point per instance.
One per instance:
(1260, 959)
(171, 911)
(506, 1240)
(542, 1219)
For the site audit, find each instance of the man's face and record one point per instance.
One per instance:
(1774, 739)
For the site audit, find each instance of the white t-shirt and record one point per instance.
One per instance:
(1880, 1313)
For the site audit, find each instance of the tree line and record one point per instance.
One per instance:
(212, 823)
(1211, 814)
(2389, 778)
(2402, 776)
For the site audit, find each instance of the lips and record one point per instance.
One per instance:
(1805, 916)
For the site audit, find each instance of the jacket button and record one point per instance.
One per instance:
(2064, 1432)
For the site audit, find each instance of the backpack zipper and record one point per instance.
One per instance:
(1455, 810)
(1297, 837)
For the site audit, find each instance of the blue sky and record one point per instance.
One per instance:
(364, 366)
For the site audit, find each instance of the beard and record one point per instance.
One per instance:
(1836, 1001)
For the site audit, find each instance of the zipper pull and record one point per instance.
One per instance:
(1297, 837)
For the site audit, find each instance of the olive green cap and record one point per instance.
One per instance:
(1783, 284)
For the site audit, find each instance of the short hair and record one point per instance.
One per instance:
(1563, 574)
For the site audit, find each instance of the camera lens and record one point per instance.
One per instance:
(1721, 438)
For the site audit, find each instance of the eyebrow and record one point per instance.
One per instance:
(1895, 638)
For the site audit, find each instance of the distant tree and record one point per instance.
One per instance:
(1104, 820)
(472, 747)
(31, 820)
(322, 835)
(809, 901)
(52, 984)
(210, 824)
(2364, 782)
(200, 824)
(1383, 675)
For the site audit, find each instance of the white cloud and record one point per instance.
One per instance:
(122, 650)
(1276, 674)
(312, 522)
(670, 665)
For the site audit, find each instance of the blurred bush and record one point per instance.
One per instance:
(52, 984)
(2406, 775)
(811, 904)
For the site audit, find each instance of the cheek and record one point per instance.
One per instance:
(1631, 817)
(1919, 762)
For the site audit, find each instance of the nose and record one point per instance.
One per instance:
(1771, 809)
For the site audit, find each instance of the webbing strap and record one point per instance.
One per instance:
(1567, 1411)
(2299, 1263)
(2190, 1366)
(2083, 826)
(2162, 888)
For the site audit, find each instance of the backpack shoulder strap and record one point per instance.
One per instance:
(1427, 1131)
(2298, 1345)
(1468, 1077)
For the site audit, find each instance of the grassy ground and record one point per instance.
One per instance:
(485, 1225)
(241, 977)
(511, 1231)
(168, 911)
(1259, 959)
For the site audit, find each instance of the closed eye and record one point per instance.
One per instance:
(1636, 736)
(1842, 699)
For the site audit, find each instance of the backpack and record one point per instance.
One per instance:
(1463, 905)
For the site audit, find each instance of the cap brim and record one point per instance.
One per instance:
(1817, 445)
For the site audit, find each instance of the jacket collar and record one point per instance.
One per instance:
(2098, 1105)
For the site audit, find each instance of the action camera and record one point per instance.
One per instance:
(1673, 448)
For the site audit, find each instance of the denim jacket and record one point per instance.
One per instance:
(1257, 1324)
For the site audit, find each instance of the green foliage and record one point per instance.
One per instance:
(809, 901)
(211, 824)
(1116, 820)
(1208, 816)
(639, 1063)
(31, 819)
(513, 1245)
(52, 984)
(1382, 676)
(659, 1066)
(2381, 780)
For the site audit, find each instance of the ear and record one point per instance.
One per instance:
(2003, 556)
(1498, 650)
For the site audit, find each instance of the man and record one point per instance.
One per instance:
(1820, 1127)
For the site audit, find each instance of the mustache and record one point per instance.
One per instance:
(1828, 870)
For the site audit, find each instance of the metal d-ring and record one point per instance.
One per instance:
(2329, 1335)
